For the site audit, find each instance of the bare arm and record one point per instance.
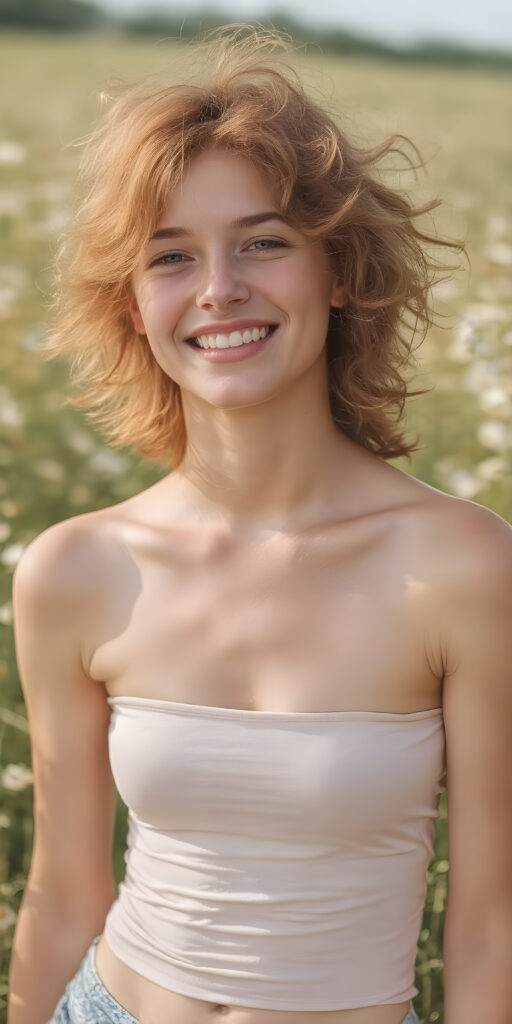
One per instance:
(477, 701)
(70, 885)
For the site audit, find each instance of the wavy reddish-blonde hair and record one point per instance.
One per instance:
(248, 98)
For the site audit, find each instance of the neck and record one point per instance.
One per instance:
(278, 465)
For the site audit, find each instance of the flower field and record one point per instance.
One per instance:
(54, 466)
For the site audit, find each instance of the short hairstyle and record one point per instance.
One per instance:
(247, 99)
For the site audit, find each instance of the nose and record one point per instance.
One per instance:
(222, 284)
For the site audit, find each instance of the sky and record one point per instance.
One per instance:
(483, 23)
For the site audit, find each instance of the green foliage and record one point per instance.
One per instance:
(51, 15)
(84, 15)
(330, 41)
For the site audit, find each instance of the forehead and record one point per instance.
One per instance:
(219, 184)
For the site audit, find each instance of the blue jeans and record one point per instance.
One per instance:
(87, 1001)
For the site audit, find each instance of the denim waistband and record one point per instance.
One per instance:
(86, 999)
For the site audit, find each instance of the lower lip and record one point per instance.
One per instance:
(233, 355)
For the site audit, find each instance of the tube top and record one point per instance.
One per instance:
(274, 860)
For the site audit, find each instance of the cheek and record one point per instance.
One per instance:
(290, 286)
(307, 287)
(159, 308)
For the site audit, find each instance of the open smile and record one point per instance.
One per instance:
(223, 348)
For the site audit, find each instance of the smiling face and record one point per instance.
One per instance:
(223, 262)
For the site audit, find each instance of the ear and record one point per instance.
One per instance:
(338, 294)
(134, 312)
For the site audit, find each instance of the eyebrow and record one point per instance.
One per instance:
(240, 222)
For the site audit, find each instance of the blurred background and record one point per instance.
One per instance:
(441, 74)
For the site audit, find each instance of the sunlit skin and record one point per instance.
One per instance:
(262, 446)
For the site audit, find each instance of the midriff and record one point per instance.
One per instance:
(150, 1003)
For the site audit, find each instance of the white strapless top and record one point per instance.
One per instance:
(275, 860)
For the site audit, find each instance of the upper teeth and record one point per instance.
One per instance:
(232, 340)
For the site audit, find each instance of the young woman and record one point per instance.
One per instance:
(282, 649)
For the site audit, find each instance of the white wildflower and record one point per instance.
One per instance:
(463, 483)
(493, 434)
(106, 461)
(5, 821)
(10, 412)
(5, 531)
(495, 399)
(492, 468)
(80, 442)
(12, 554)
(7, 917)
(465, 328)
(499, 252)
(498, 226)
(49, 469)
(477, 330)
(31, 339)
(17, 777)
(480, 375)
(8, 297)
(460, 352)
(6, 614)
(486, 313)
(11, 153)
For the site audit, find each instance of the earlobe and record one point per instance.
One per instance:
(338, 297)
(136, 318)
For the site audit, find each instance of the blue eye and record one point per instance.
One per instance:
(271, 242)
(167, 256)
(175, 259)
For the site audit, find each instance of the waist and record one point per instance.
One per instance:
(147, 1001)
(336, 965)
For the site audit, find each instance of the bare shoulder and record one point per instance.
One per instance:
(67, 558)
(465, 540)
(467, 563)
(455, 534)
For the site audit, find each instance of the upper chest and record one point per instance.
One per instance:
(192, 615)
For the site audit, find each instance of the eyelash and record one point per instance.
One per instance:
(274, 243)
